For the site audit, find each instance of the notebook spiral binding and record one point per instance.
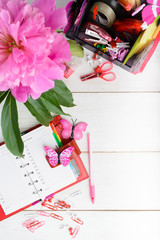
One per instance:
(27, 175)
(24, 165)
(32, 183)
(36, 192)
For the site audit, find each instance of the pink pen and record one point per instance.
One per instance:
(91, 178)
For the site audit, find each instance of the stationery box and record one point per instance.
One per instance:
(136, 63)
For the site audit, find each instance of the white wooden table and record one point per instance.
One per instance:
(124, 118)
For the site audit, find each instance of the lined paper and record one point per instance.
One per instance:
(18, 190)
(14, 190)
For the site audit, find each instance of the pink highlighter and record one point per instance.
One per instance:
(91, 177)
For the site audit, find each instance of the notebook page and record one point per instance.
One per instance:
(14, 190)
(50, 179)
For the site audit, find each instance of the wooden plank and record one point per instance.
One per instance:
(97, 225)
(118, 122)
(128, 181)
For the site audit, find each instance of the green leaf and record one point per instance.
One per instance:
(10, 127)
(3, 95)
(39, 110)
(63, 94)
(75, 49)
(51, 103)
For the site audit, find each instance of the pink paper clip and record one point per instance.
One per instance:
(138, 9)
(75, 232)
(31, 229)
(40, 224)
(28, 222)
(56, 216)
(45, 214)
(34, 223)
(77, 220)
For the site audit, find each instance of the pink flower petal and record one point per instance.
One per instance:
(45, 79)
(20, 93)
(58, 19)
(18, 55)
(60, 52)
(14, 30)
(3, 86)
(31, 55)
(42, 84)
(47, 7)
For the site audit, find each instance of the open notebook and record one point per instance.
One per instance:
(26, 180)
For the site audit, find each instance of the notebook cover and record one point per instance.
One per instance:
(83, 175)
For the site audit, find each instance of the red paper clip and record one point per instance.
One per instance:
(45, 204)
(64, 204)
(77, 220)
(57, 205)
(56, 216)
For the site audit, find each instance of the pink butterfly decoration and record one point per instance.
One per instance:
(55, 158)
(150, 12)
(74, 131)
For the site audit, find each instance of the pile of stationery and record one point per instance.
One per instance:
(51, 164)
(65, 220)
(122, 31)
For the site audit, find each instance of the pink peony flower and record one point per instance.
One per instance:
(31, 52)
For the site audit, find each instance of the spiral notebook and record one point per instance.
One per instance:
(25, 180)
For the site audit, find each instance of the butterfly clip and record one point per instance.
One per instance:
(55, 158)
(74, 131)
(151, 11)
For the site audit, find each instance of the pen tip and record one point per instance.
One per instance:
(93, 200)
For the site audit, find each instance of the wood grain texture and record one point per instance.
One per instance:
(124, 181)
(97, 225)
(124, 118)
(119, 122)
